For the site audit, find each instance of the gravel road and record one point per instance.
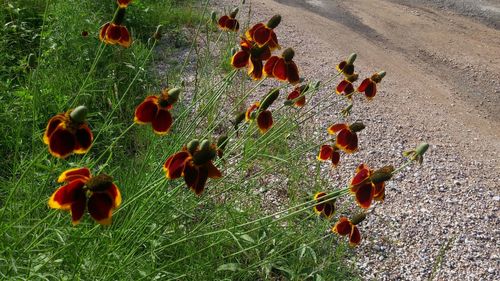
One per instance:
(439, 221)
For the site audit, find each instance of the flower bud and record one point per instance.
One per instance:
(203, 156)
(352, 57)
(381, 175)
(157, 34)
(422, 148)
(213, 17)
(173, 95)
(239, 118)
(288, 54)
(78, 114)
(234, 13)
(269, 99)
(192, 146)
(358, 218)
(274, 21)
(205, 145)
(356, 127)
(222, 142)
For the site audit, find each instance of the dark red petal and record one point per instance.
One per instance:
(233, 25)
(318, 209)
(252, 108)
(146, 111)
(100, 207)
(65, 195)
(222, 22)
(343, 226)
(269, 66)
(125, 38)
(325, 152)
(213, 172)
(347, 141)
(78, 205)
(174, 165)
(103, 31)
(123, 3)
(255, 69)
(74, 174)
(364, 195)
(379, 191)
(335, 128)
(364, 84)
(113, 33)
(190, 175)
(341, 86)
(329, 209)
(201, 180)
(280, 70)
(293, 73)
(61, 142)
(341, 66)
(355, 236)
(335, 158)
(262, 35)
(361, 176)
(162, 122)
(265, 53)
(52, 125)
(371, 90)
(265, 121)
(249, 34)
(84, 138)
(240, 59)
(273, 42)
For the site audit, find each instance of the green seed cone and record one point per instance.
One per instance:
(79, 114)
(269, 99)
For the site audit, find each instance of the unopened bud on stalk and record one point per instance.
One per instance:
(381, 74)
(269, 99)
(157, 34)
(79, 114)
(381, 175)
(222, 142)
(351, 58)
(358, 218)
(234, 13)
(173, 95)
(356, 127)
(205, 145)
(239, 118)
(192, 146)
(274, 21)
(422, 148)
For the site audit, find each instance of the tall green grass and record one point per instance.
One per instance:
(162, 231)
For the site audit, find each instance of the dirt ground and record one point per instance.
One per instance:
(439, 221)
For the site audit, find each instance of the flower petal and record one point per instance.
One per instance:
(103, 31)
(293, 73)
(335, 128)
(335, 158)
(162, 122)
(329, 210)
(343, 226)
(61, 142)
(371, 90)
(213, 172)
(379, 191)
(265, 121)
(255, 69)
(361, 176)
(222, 22)
(354, 237)
(100, 207)
(262, 35)
(175, 164)
(65, 195)
(146, 111)
(240, 59)
(364, 195)
(52, 125)
(269, 66)
(83, 137)
(125, 38)
(73, 174)
(280, 70)
(364, 84)
(347, 141)
(325, 152)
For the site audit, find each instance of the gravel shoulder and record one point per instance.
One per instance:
(443, 87)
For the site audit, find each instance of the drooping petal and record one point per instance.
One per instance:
(232, 25)
(344, 87)
(255, 69)
(318, 209)
(73, 174)
(78, 206)
(265, 121)
(262, 35)
(61, 142)
(280, 70)
(147, 110)
(335, 128)
(335, 158)
(250, 33)
(300, 102)
(354, 237)
(222, 22)
(379, 191)
(341, 66)
(162, 122)
(252, 108)
(361, 176)
(190, 175)
(213, 172)
(364, 84)
(103, 31)
(371, 90)
(52, 125)
(100, 207)
(269, 66)
(329, 210)
(325, 152)
(65, 195)
(174, 165)
(364, 195)
(347, 141)
(273, 42)
(201, 180)
(240, 59)
(125, 38)
(123, 3)
(84, 137)
(293, 73)
(113, 34)
(343, 226)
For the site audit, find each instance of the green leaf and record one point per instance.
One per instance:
(247, 238)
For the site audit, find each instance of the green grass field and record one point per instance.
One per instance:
(162, 231)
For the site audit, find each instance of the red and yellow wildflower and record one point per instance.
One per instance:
(322, 207)
(369, 85)
(251, 56)
(283, 68)
(156, 110)
(229, 22)
(347, 139)
(263, 34)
